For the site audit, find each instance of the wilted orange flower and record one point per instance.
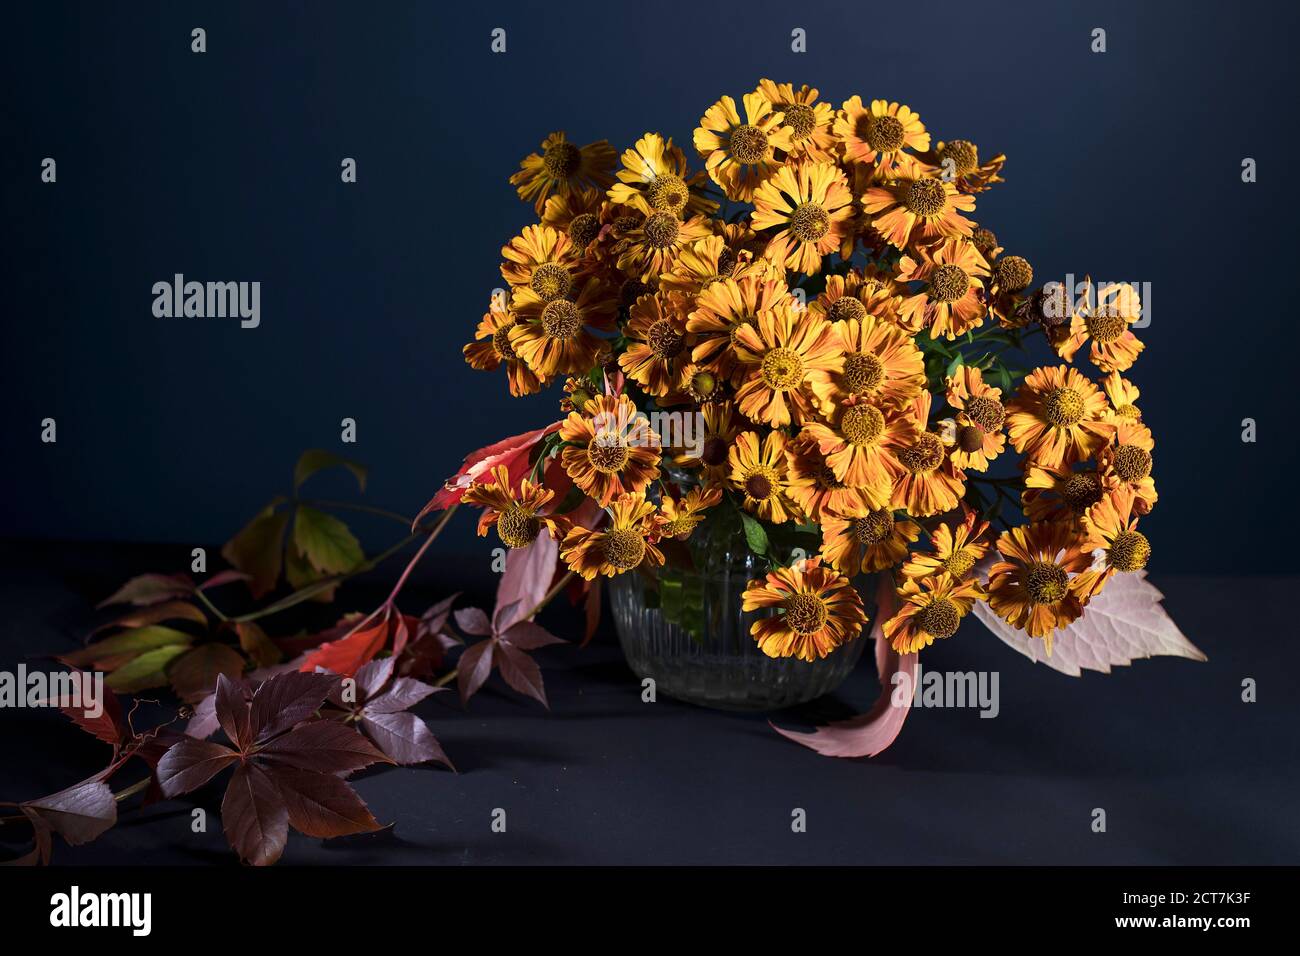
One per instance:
(878, 133)
(1123, 396)
(491, 348)
(739, 156)
(955, 548)
(960, 160)
(1106, 324)
(611, 450)
(517, 514)
(759, 474)
(1057, 417)
(678, 517)
(915, 208)
(1061, 493)
(931, 609)
(1033, 586)
(929, 483)
(863, 539)
(817, 610)
(1127, 461)
(625, 543)
(810, 206)
(951, 303)
(721, 425)
(1118, 546)
(562, 168)
(977, 432)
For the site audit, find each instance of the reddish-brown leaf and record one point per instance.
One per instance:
(287, 699)
(257, 550)
(323, 746)
(80, 813)
(190, 763)
(232, 711)
(167, 611)
(473, 669)
(521, 672)
(254, 816)
(108, 726)
(321, 805)
(150, 589)
(260, 648)
(404, 737)
(529, 636)
(193, 675)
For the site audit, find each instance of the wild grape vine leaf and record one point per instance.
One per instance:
(79, 814)
(510, 632)
(379, 710)
(288, 765)
(1126, 622)
(362, 641)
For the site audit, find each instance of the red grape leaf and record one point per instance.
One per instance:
(285, 700)
(109, 726)
(321, 805)
(257, 645)
(254, 816)
(525, 582)
(521, 672)
(189, 764)
(529, 636)
(401, 694)
(404, 737)
(257, 550)
(150, 589)
(232, 711)
(78, 814)
(474, 621)
(194, 675)
(473, 668)
(323, 746)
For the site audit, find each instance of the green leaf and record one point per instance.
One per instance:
(316, 459)
(755, 534)
(146, 671)
(955, 364)
(256, 550)
(325, 541)
(299, 573)
(140, 639)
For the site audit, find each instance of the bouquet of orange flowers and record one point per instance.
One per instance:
(811, 332)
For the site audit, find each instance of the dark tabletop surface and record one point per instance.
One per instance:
(1186, 772)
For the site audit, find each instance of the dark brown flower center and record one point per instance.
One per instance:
(923, 456)
(800, 118)
(714, 452)
(624, 548)
(949, 283)
(925, 197)
(884, 133)
(661, 229)
(664, 339)
(583, 229)
(517, 528)
(863, 372)
(562, 160)
(1105, 326)
(988, 413)
(964, 155)
(1130, 551)
(561, 319)
(809, 222)
(501, 343)
(1132, 463)
(1081, 491)
(846, 307)
(862, 424)
(1013, 273)
(939, 619)
(551, 281)
(606, 455)
(758, 485)
(1045, 582)
(970, 438)
(748, 144)
(874, 528)
(805, 613)
(1063, 407)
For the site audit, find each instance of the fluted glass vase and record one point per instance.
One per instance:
(682, 625)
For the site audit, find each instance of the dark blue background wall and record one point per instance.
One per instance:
(225, 166)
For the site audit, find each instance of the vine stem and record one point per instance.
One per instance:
(311, 590)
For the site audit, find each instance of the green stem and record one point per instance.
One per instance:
(203, 599)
